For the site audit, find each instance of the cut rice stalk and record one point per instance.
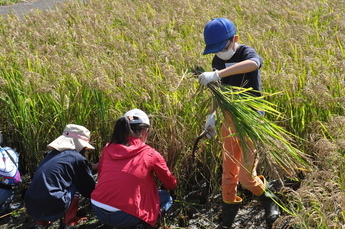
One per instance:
(273, 141)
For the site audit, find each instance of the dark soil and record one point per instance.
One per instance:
(194, 211)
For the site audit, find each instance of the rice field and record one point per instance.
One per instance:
(89, 62)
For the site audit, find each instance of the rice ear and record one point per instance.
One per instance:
(273, 142)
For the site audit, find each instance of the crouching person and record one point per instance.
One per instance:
(9, 175)
(60, 178)
(126, 195)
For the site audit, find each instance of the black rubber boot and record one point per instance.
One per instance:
(229, 213)
(267, 201)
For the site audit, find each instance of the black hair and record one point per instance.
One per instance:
(123, 130)
(83, 151)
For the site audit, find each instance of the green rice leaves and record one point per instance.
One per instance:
(274, 143)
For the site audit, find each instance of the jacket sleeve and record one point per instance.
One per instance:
(162, 171)
(83, 177)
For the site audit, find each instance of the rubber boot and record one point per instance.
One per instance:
(267, 201)
(70, 217)
(229, 212)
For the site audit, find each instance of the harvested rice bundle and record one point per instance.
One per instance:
(275, 143)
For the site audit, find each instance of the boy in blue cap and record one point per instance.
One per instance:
(236, 65)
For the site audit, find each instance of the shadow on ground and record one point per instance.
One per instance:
(193, 212)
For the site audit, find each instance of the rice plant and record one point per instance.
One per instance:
(275, 142)
(9, 2)
(89, 62)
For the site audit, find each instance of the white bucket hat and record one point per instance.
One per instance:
(73, 137)
(137, 116)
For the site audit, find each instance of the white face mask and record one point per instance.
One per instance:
(226, 55)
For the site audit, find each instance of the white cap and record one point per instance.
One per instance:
(73, 137)
(137, 116)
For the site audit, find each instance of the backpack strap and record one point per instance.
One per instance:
(6, 186)
(9, 155)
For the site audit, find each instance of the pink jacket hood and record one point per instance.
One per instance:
(118, 151)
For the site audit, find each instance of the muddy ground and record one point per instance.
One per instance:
(194, 211)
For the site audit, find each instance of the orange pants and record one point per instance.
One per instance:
(238, 166)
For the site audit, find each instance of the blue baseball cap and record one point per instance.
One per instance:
(217, 32)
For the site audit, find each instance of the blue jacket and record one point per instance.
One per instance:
(59, 173)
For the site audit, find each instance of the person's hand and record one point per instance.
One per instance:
(210, 126)
(208, 77)
(94, 167)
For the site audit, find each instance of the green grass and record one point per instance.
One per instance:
(90, 63)
(9, 2)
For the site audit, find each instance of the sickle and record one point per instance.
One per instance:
(203, 134)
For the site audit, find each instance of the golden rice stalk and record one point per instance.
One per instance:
(274, 143)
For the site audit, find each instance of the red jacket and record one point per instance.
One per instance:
(126, 179)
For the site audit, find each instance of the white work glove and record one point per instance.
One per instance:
(210, 126)
(208, 77)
